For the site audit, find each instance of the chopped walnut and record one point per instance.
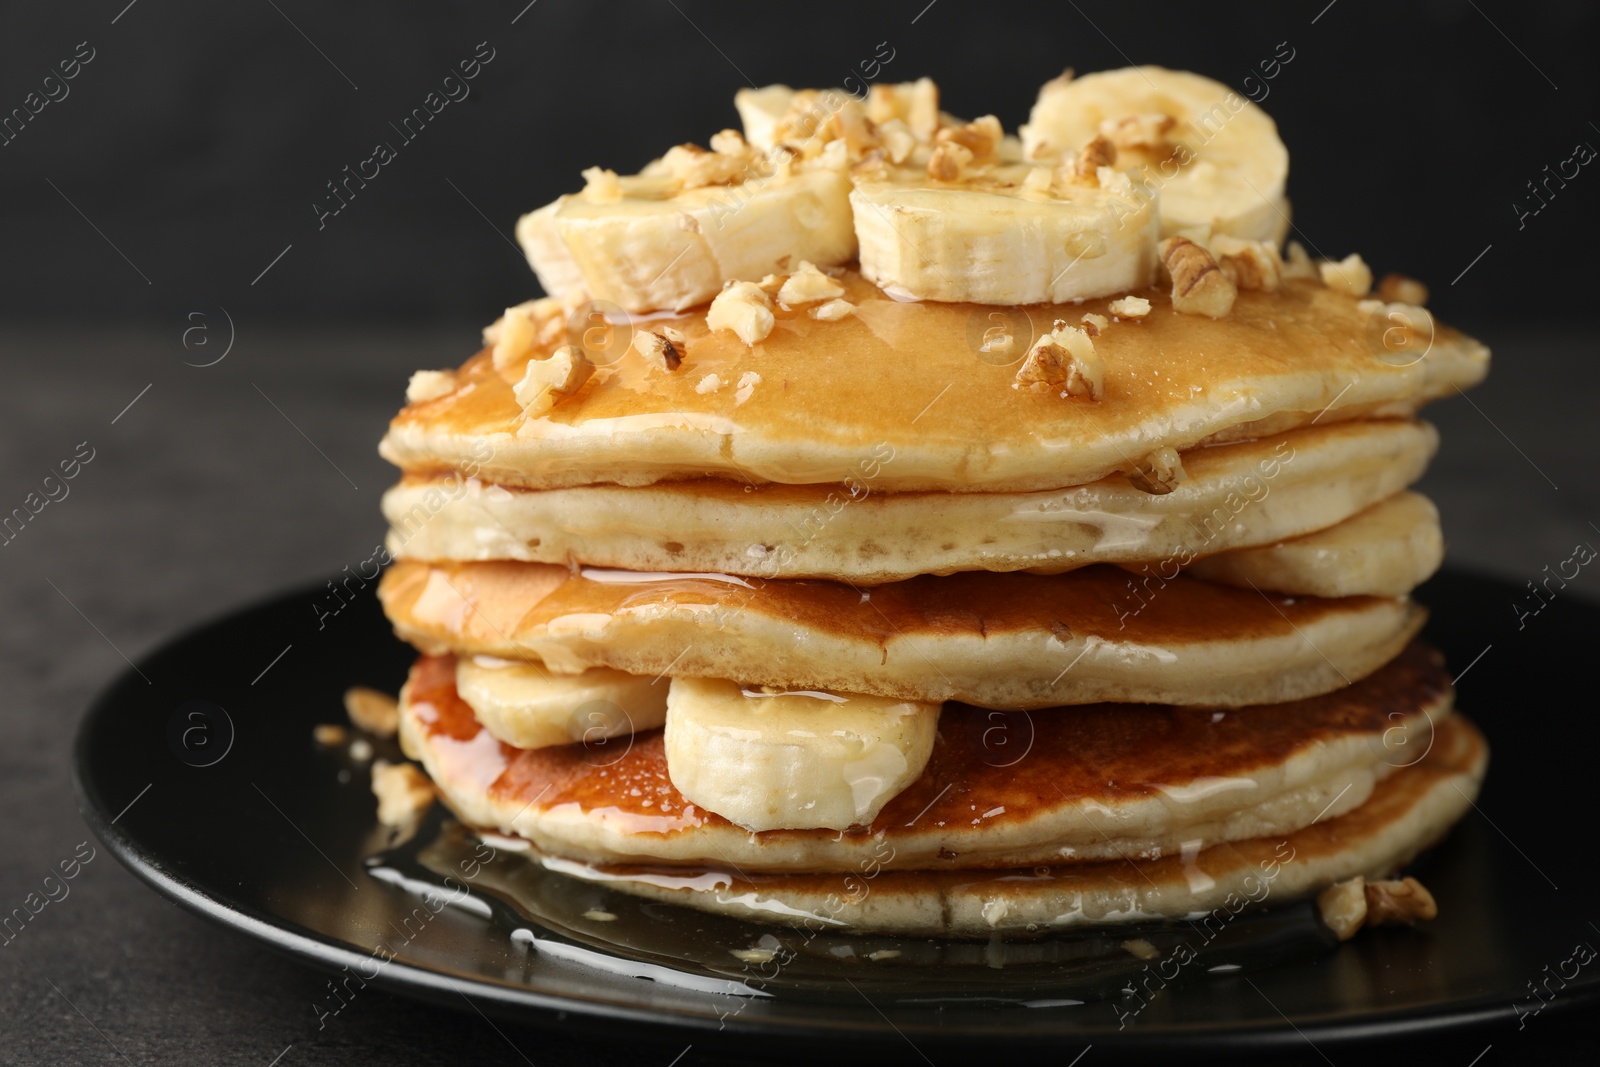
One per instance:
(1403, 902)
(430, 385)
(1129, 307)
(657, 349)
(1139, 131)
(329, 734)
(744, 309)
(1094, 325)
(730, 162)
(1198, 285)
(547, 381)
(1094, 155)
(530, 325)
(1159, 473)
(981, 136)
(833, 310)
(947, 160)
(808, 285)
(1355, 902)
(747, 386)
(403, 792)
(372, 711)
(709, 384)
(1343, 906)
(1063, 361)
(1248, 264)
(897, 139)
(602, 186)
(1297, 262)
(1350, 275)
(922, 115)
(1397, 288)
(1040, 180)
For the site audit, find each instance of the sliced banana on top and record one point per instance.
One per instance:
(669, 237)
(526, 706)
(793, 760)
(1006, 233)
(1214, 156)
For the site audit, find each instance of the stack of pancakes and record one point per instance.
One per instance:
(839, 619)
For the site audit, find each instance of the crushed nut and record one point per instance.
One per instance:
(730, 162)
(403, 792)
(658, 349)
(601, 186)
(1130, 307)
(1064, 361)
(1141, 949)
(1398, 289)
(1402, 902)
(922, 115)
(1343, 906)
(1040, 180)
(547, 381)
(1139, 131)
(1248, 264)
(1094, 325)
(1350, 275)
(1094, 155)
(945, 163)
(372, 711)
(747, 385)
(744, 309)
(833, 310)
(430, 385)
(981, 136)
(329, 733)
(808, 285)
(1159, 473)
(1297, 262)
(529, 325)
(709, 384)
(1198, 285)
(897, 139)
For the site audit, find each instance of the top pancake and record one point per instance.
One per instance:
(896, 396)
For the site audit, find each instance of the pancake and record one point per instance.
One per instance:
(1237, 495)
(1005, 641)
(1387, 550)
(1407, 812)
(1072, 785)
(899, 388)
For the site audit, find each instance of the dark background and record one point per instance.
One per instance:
(188, 155)
(201, 134)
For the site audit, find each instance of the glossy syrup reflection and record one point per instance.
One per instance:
(584, 922)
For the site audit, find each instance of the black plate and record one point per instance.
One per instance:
(199, 773)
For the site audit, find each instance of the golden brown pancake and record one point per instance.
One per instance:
(898, 391)
(1235, 496)
(1060, 786)
(995, 640)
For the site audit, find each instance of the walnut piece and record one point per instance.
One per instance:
(1402, 902)
(601, 186)
(1198, 285)
(947, 160)
(403, 792)
(547, 381)
(1094, 325)
(430, 385)
(1159, 473)
(1139, 131)
(1248, 264)
(659, 349)
(530, 325)
(808, 285)
(1096, 154)
(1130, 307)
(744, 309)
(1063, 361)
(1297, 263)
(1350, 275)
(1343, 906)
(372, 711)
(981, 136)
(833, 310)
(1398, 289)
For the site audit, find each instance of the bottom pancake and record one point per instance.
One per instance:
(1407, 812)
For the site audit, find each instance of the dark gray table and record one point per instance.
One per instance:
(224, 484)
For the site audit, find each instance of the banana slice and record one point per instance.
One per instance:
(669, 237)
(793, 760)
(529, 707)
(1214, 156)
(1005, 233)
